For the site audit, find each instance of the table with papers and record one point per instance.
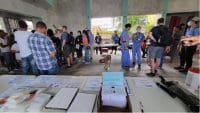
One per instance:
(142, 90)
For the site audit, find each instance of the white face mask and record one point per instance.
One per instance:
(138, 30)
(189, 23)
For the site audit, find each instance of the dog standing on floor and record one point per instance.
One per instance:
(106, 60)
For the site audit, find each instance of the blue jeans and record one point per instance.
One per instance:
(27, 63)
(53, 71)
(87, 54)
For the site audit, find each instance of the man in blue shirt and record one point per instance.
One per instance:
(43, 50)
(186, 61)
(115, 40)
(91, 40)
(66, 46)
(137, 39)
(125, 59)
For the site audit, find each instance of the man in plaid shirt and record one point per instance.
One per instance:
(43, 50)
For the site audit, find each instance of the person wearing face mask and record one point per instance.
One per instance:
(188, 52)
(43, 50)
(137, 39)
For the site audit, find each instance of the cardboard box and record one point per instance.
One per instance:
(101, 108)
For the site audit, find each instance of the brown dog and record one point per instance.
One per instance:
(106, 60)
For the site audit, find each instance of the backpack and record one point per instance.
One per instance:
(164, 36)
(69, 40)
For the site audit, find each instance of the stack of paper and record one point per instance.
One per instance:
(143, 82)
(83, 103)
(38, 102)
(74, 83)
(63, 98)
(93, 84)
(50, 81)
(114, 96)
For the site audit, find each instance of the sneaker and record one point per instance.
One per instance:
(156, 71)
(69, 66)
(139, 67)
(11, 72)
(178, 68)
(133, 64)
(151, 74)
(87, 63)
(183, 70)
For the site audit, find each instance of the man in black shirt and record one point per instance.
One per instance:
(159, 41)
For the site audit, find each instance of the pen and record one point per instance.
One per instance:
(141, 107)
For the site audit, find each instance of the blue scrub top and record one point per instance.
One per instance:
(139, 37)
(124, 36)
(193, 32)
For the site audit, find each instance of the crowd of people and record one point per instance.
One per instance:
(160, 42)
(43, 52)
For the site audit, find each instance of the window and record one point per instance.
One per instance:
(2, 24)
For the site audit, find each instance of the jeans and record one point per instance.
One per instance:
(27, 63)
(87, 54)
(53, 71)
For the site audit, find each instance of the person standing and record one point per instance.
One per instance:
(27, 60)
(5, 50)
(98, 41)
(79, 46)
(186, 62)
(57, 44)
(66, 46)
(137, 39)
(176, 39)
(144, 48)
(91, 38)
(43, 50)
(160, 40)
(125, 58)
(86, 46)
(115, 40)
(72, 40)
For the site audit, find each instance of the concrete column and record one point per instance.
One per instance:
(88, 13)
(165, 8)
(124, 12)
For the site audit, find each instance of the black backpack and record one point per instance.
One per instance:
(164, 36)
(69, 40)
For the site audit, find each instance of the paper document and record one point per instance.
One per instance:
(74, 83)
(113, 78)
(83, 103)
(114, 96)
(50, 81)
(93, 84)
(63, 98)
(38, 102)
(144, 82)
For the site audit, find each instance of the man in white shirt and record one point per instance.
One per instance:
(21, 37)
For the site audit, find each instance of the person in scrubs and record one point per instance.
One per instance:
(125, 59)
(137, 39)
